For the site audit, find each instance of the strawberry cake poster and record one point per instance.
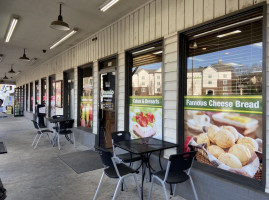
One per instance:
(145, 117)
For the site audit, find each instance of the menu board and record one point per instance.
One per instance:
(145, 116)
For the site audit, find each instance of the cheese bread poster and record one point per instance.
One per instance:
(226, 131)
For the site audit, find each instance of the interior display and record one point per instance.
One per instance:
(31, 97)
(36, 92)
(52, 108)
(43, 91)
(223, 100)
(85, 93)
(58, 94)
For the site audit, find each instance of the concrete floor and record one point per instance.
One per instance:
(40, 174)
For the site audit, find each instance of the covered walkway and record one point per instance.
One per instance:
(39, 174)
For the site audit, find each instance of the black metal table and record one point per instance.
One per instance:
(145, 147)
(56, 121)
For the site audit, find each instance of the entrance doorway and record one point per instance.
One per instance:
(107, 105)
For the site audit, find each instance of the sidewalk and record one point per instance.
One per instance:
(39, 174)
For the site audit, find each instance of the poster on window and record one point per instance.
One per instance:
(145, 116)
(58, 94)
(227, 130)
(86, 119)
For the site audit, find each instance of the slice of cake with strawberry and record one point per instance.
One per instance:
(144, 125)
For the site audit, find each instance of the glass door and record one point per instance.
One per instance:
(107, 107)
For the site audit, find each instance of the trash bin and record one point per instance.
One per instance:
(40, 114)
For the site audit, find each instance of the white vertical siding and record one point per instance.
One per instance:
(95, 96)
(121, 91)
(76, 96)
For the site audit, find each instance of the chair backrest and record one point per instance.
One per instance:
(120, 136)
(180, 162)
(66, 124)
(35, 124)
(57, 116)
(106, 157)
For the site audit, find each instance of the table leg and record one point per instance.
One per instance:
(160, 160)
(144, 166)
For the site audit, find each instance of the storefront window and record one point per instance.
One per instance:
(44, 91)
(52, 108)
(31, 97)
(26, 96)
(68, 94)
(145, 100)
(36, 92)
(223, 98)
(85, 80)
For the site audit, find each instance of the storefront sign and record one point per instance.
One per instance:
(238, 104)
(145, 116)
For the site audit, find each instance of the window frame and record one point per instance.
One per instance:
(128, 80)
(182, 80)
(79, 93)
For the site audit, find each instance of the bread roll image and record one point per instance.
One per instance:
(215, 150)
(202, 138)
(233, 131)
(241, 152)
(212, 132)
(250, 143)
(230, 160)
(225, 139)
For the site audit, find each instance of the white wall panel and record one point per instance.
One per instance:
(141, 26)
(208, 10)
(146, 24)
(172, 16)
(165, 21)
(219, 8)
(152, 20)
(158, 18)
(231, 6)
(198, 11)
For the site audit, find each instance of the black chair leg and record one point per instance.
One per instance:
(171, 189)
(122, 189)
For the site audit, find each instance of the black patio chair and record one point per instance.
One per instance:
(115, 170)
(40, 132)
(65, 129)
(177, 171)
(125, 157)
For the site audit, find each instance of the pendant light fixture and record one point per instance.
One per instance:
(24, 57)
(11, 70)
(5, 77)
(60, 24)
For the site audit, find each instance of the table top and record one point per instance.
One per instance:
(144, 145)
(56, 120)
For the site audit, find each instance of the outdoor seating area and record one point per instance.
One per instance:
(144, 99)
(22, 167)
